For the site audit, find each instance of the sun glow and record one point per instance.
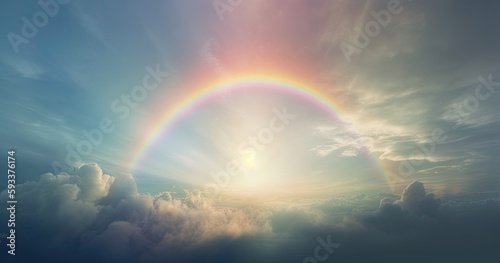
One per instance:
(282, 162)
(248, 163)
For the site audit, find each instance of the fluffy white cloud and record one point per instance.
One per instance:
(107, 216)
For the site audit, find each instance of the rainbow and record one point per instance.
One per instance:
(193, 100)
(197, 98)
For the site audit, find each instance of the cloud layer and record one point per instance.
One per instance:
(90, 215)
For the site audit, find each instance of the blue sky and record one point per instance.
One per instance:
(417, 83)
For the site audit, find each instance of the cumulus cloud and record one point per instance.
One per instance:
(92, 215)
(416, 201)
(89, 215)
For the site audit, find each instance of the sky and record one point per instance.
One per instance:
(251, 131)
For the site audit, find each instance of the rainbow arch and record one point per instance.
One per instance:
(195, 99)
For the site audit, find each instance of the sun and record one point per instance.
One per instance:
(248, 163)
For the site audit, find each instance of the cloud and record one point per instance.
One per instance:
(23, 68)
(89, 215)
(417, 201)
(92, 215)
(93, 184)
(409, 79)
(340, 138)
